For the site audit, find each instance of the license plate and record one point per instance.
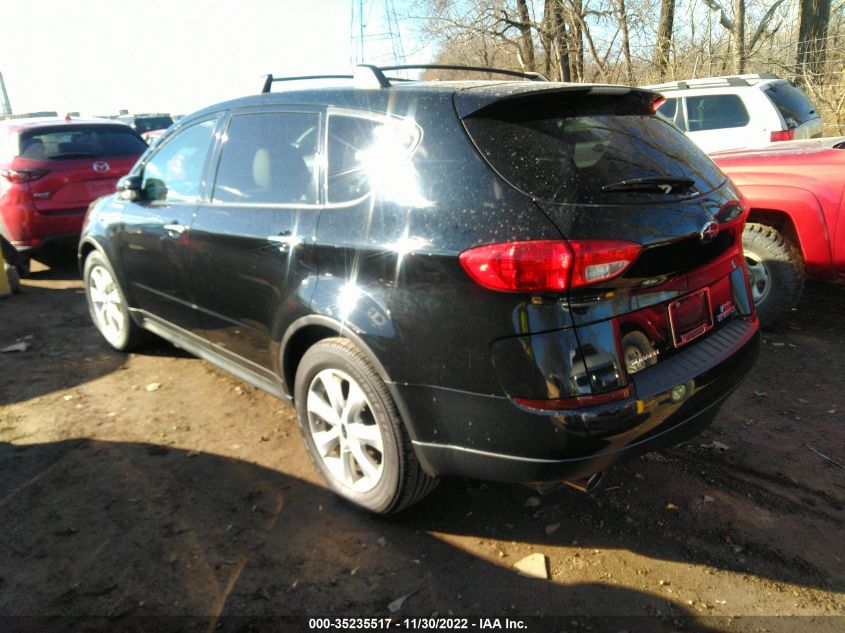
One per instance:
(690, 317)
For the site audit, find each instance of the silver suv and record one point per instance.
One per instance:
(721, 113)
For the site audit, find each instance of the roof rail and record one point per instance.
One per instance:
(708, 82)
(369, 76)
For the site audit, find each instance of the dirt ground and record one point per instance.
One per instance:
(152, 484)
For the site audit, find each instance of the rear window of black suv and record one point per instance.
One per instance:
(592, 158)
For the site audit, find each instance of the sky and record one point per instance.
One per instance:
(176, 56)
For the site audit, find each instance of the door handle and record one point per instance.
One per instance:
(175, 227)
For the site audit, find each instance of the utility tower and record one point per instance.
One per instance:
(375, 35)
(5, 106)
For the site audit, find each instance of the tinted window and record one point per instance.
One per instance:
(713, 112)
(147, 123)
(349, 140)
(80, 141)
(572, 159)
(174, 173)
(269, 158)
(668, 109)
(793, 104)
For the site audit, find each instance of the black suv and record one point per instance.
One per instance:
(515, 280)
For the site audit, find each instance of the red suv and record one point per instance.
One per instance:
(51, 170)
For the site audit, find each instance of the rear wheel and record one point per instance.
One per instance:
(776, 271)
(107, 304)
(352, 429)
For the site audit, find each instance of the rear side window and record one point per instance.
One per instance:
(793, 104)
(592, 159)
(80, 141)
(349, 138)
(714, 112)
(269, 158)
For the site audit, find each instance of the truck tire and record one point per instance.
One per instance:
(776, 271)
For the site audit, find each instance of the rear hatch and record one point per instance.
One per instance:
(74, 164)
(797, 110)
(602, 166)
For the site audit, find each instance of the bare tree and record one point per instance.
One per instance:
(739, 36)
(622, 18)
(812, 36)
(664, 36)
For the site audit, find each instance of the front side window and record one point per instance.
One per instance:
(713, 112)
(174, 173)
(269, 158)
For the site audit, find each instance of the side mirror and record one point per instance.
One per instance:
(129, 188)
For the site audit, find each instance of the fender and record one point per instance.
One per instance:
(807, 213)
(345, 331)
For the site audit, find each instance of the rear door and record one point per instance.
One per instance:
(155, 238)
(797, 111)
(252, 240)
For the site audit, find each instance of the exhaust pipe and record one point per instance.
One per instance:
(584, 484)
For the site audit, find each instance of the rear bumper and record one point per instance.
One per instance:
(489, 437)
(29, 231)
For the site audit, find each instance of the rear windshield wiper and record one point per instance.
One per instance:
(72, 155)
(653, 184)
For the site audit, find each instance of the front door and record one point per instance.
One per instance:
(155, 241)
(252, 241)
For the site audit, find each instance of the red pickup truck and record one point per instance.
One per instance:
(796, 228)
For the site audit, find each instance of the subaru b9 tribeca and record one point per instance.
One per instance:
(519, 281)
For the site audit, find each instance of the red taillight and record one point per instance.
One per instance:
(783, 135)
(655, 105)
(23, 175)
(547, 265)
(557, 404)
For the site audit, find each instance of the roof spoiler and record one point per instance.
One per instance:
(566, 99)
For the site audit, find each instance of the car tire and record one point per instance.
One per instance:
(776, 271)
(107, 304)
(352, 429)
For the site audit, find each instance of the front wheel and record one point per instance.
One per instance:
(352, 430)
(107, 304)
(776, 271)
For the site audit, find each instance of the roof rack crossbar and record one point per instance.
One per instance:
(532, 76)
(270, 79)
(369, 76)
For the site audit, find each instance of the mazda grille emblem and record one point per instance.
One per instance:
(101, 167)
(709, 232)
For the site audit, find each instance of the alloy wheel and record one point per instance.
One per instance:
(345, 433)
(758, 276)
(107, 304)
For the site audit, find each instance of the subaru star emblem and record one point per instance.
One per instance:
(709, 232)
(101, 166)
